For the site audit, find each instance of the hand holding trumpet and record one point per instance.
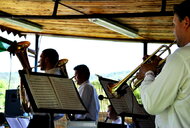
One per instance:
(150, 65)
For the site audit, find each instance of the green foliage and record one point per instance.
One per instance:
(103, 103)
(3, 87)
(137, 95)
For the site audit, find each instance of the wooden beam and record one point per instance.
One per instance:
(117, 15)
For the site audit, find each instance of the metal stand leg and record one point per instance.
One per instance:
(51, 120)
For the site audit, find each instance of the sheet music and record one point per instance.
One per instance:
(23, 121)
(126, 103)
(42, 91)
(13, 122)
(53, 92)
(67, 94)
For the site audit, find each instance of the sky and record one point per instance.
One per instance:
(100, 56)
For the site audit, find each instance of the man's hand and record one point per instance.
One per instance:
(150, 65)
(144, 68)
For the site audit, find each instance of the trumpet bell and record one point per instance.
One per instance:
(62, 62)
(18, 47)
(111, 87)
(23, 44)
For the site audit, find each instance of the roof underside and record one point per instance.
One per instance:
(151, 18)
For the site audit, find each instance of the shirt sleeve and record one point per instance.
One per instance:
(159, 93)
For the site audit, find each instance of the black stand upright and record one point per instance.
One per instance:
(123, 121)
(51, 120)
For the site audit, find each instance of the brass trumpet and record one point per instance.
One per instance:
(62, 65)
(131, 79)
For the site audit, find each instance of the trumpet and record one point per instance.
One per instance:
(62, 62)
(131, 79)
(62, 65)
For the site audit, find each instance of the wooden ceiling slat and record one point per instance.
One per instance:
(155, 28)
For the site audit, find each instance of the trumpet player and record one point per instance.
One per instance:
(168, 94)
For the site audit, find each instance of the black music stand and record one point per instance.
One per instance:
(52, 94)
(127, 104)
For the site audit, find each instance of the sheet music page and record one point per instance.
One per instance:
(23, 121)
(126, 103)
(65, 90)
(118, 103)
(42, 91)
(13, 122)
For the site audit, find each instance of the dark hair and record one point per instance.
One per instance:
(112, 108)
(84, 70)
(182, 10)
(52, 55)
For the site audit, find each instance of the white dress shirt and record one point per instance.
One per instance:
(55, 71)
(89, 97)
(117, 121)
(168, 95)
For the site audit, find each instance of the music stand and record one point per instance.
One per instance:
(51, 94)
(125, 105)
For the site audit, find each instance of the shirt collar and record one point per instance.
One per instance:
(87, 81)
(53, 71)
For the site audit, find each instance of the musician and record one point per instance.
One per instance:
(87, 93)
(114, 118)
(48, 61)
(167, 96)
(112, 115)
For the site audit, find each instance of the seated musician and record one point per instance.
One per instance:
(112, 115)
(87, 93)
(114, 118)
(48, 63)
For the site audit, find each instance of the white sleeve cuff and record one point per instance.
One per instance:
(149, 76)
